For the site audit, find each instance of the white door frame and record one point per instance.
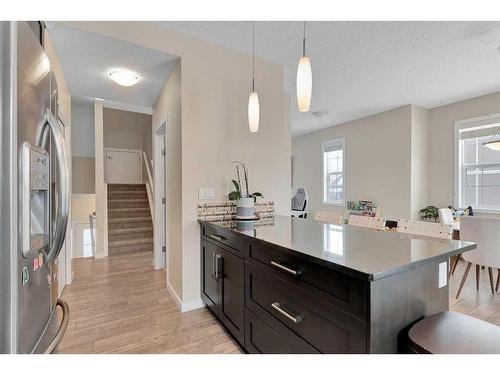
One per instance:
(160, 232)
(106, 149)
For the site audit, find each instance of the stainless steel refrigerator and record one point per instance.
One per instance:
(34, 194)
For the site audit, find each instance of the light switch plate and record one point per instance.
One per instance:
(443, 274)
(206, 193)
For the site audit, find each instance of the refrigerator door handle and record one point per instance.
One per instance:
(62, 328)
(63, 172)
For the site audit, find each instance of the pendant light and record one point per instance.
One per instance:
(494, 144)
(304, 78)
(253, 100)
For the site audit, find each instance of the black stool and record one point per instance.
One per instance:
(454, 333)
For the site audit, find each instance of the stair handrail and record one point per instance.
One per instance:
(149, 187)
(148, 170)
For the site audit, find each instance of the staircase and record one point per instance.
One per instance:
(130, 228)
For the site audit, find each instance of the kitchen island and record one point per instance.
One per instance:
(289, 285)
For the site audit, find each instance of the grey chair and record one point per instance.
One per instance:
(299, 204)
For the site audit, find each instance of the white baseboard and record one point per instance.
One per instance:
(192, 305)
(174, 295)
(184, 306)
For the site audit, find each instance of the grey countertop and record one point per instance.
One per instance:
(366, 253)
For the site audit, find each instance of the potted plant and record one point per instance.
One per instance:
(245, 202)
(429, 213)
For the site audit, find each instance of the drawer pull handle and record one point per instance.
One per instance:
(296, 319)
(215, 266)
(217, 238)
(286, 269)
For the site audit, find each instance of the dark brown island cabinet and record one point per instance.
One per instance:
(287, 285)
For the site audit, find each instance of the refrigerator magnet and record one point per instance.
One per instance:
(35, 264)
(40, 260)
(26, 275)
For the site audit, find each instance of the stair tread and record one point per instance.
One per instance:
(131, 200)
(130, 209)
(127, 191)
(129, 219)
(130, 230)
(139, 241)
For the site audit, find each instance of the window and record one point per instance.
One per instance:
(478, 166)
(333, 172)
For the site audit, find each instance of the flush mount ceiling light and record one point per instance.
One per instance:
(494, 144)
(124, 77)
(253, 100)
(304, 78)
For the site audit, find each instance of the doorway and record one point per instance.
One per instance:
(160, 197)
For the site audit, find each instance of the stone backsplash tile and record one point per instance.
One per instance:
(227, 211)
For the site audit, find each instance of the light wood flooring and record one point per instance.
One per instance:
(481, 303)
(120, 305)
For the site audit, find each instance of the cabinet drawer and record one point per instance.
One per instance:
(348, 293)
(261, 338)
(321, 324)
(224, 237)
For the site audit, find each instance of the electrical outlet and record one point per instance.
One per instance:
(442, 274)
(206, 193)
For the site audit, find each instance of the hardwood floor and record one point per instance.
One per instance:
(120, 305)
(481, 303)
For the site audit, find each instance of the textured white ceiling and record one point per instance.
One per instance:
(361, 68)
(87, 58)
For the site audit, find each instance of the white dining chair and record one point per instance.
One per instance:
(485, 232)
(446, 217)
(366, 221)
(425, 229)
(328, 217)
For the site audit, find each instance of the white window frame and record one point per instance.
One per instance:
(458, 187)
(324, 145)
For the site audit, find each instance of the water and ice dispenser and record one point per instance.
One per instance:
(35, 199)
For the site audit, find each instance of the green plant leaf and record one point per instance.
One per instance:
(236, 185)
(234, 195)
(255, 195)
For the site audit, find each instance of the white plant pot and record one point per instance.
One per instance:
(245, 208)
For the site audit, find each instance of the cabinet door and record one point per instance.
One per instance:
(232, 295)
(209, 283)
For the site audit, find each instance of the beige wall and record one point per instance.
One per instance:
(377, 162)
(430, 160)
(441, 142)
(169, 105)
(147, 146)
(82, 206)
(215, 89)
(419, 160)
(127, 130)
(82, 135)
(83, 175)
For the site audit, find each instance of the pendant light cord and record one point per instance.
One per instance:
(304, 41)
(253, 56)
